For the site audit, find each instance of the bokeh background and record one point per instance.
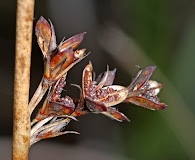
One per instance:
(122, 34)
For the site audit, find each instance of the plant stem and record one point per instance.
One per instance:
(21, 125)
(38, 95)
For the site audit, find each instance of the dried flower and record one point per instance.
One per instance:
(143, 92)
(100, 96)
(58, 59)
(96, 96)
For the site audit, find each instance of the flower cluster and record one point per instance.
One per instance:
(96, 96)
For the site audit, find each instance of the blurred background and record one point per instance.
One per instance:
(122, 34)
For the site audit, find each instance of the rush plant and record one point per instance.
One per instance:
(97, 95)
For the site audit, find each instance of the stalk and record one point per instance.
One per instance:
(21, 117)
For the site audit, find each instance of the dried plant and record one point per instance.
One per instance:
(96, 96)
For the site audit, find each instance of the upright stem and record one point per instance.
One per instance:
(21, 125)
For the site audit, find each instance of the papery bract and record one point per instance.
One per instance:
(141, 78)
(45, 36)
(72, 42)
(116, 115)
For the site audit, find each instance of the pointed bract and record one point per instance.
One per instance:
(143, 92)
(141, 78)
(116, 115)
(72, 42)
(110, 75)
(151, 103)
